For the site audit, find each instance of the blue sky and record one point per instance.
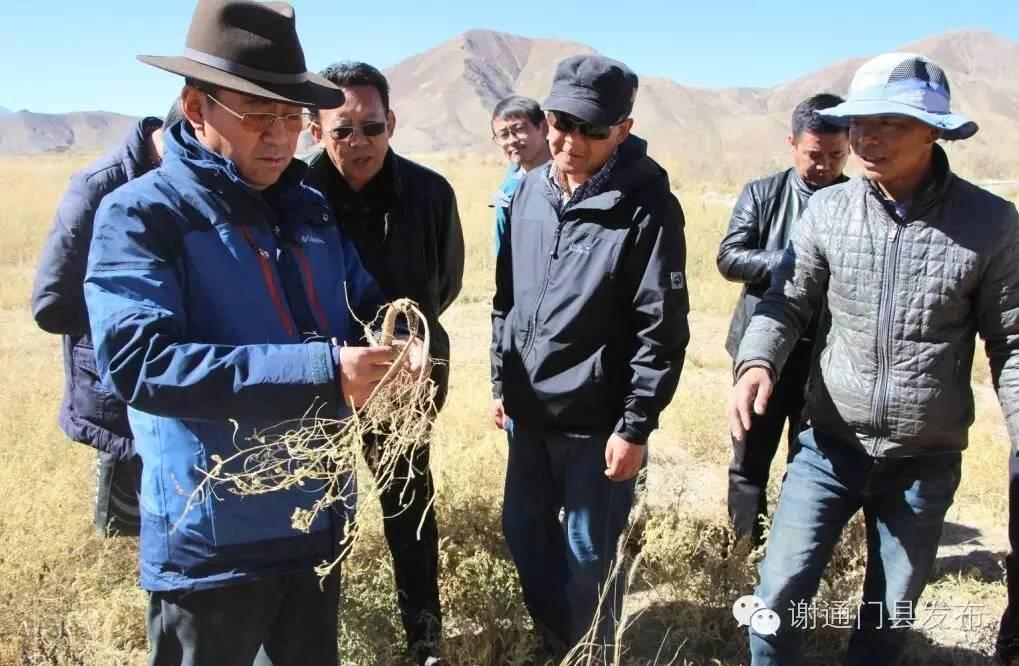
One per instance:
(64, 55)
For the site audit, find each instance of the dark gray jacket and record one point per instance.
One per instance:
(589, 319)
(88, 413)
(906, 298)
(759, 230)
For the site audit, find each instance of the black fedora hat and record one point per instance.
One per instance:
(252, 48)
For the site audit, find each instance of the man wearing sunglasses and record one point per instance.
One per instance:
(519, 128)
(219, 295)
(589, 335)
(403, 220)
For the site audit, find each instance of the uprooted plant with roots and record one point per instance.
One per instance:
(322, 453)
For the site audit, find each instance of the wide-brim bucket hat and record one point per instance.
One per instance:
(252, 48)
(902, 84)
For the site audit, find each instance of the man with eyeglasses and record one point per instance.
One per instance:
(520, 129)
(219, 295)
(589, 335)
(403, 220)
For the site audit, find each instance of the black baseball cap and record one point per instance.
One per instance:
(594, 88)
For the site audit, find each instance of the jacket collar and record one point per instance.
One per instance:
(930, 194)
(633, 169)
(136, 153)
(803, 188)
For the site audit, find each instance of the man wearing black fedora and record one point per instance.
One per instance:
(219, 293)
(589, 334)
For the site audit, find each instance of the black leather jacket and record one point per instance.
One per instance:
(759, 230)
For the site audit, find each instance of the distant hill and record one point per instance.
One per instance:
(443, 100)
(25, 132)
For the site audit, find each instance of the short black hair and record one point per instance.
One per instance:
(518, 106)
(805, 120)
(173, 115)
(350, 73)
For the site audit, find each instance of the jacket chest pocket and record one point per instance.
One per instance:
(583, 252)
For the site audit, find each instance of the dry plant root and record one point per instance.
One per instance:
(321, 454)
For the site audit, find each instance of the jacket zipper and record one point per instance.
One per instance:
(270, 283)
(532, 323)
(885, 333)
(309, 284)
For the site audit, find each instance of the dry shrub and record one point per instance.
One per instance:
(323, 452)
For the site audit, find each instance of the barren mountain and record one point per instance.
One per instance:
(443, 100)
(25, 132)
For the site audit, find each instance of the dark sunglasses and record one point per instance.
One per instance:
(341, 132)
(567, 124)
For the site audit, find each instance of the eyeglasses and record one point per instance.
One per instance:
(373, 128)
(262, 122)
(567, 124)
(520, 131)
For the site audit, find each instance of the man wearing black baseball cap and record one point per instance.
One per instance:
(220, 293)
(589, 335)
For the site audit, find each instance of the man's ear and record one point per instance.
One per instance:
(316, 131)
(624, 130)
(192, 106)
(391, 122)
(543, 128)
(935, 135)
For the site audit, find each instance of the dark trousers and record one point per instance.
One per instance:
(751, 460)
(564, 566)
(407, 507)
(1008, 633)
(118, 485)
(277, 621)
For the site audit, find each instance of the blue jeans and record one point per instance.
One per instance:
(904, 501)
(564, 566)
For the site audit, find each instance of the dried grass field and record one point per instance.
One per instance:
(67, 597)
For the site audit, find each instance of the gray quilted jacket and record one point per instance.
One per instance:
(906, 298)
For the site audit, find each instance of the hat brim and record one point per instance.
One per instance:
(316, 92)
(581, 108)
(954, 126)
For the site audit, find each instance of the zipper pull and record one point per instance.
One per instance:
(555, 242)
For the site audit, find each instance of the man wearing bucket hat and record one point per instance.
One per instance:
(217, 292)
(913, 261)
(589, 334)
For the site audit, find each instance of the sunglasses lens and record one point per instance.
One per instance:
(562, 121)
(373, 129)
(598, 132)
(341, 133)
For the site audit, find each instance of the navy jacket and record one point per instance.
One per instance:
(211, 306)
(88, 413)
(589, 318)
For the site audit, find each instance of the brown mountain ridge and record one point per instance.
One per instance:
(443, 100)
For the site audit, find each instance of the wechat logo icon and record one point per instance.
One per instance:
(751, 611)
